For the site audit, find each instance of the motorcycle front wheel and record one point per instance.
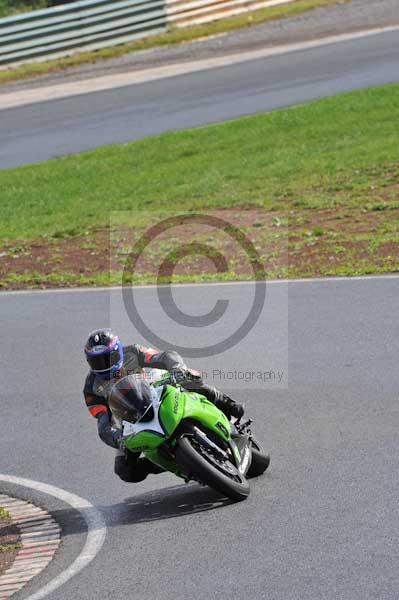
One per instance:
(202, 464)
(260, 460)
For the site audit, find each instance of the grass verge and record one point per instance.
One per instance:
(314, 188)
(174, 36)
(9, 548)
(13, 7)
(9, 537)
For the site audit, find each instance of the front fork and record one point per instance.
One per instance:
(240, 445)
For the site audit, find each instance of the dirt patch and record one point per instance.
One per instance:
(9, 543)
(237, 241)
(230, 243)
(76, 254)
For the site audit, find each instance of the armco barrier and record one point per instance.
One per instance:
(95, 24)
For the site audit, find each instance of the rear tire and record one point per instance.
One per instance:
(197, 466)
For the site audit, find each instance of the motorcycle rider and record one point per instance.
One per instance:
(109, 361)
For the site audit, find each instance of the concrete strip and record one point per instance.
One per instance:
(36, 544)
(30, 526)
(11, 579)
(23, 513)
(32, 520)
(23, 572)
(28, 565)
(25, 569)
(42, 535)
(34, 555)
(44, 525)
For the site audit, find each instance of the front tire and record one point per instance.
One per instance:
(197, 466)
(259, 463)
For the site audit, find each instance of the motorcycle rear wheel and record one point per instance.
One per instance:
(198, 464)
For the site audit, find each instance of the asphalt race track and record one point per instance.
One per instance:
(40, 131)
(322, 524)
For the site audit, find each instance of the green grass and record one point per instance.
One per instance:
(3, 514)
(68, 279)
(318, 155)
(9, 547)
(172, 37)
(12, 7)
(330, 166)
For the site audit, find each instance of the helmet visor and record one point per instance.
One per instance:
(104, 361)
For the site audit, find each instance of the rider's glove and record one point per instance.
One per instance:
(106, 431)
(119, 441)
(179, 374)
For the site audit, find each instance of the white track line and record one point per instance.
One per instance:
(203, 284)
(107, 82)
(96, 530)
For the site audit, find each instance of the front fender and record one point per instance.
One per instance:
(241, 450)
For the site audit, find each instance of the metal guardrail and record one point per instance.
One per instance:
(95, 24)
(89, 24)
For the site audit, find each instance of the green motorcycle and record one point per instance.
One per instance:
(182, 432)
